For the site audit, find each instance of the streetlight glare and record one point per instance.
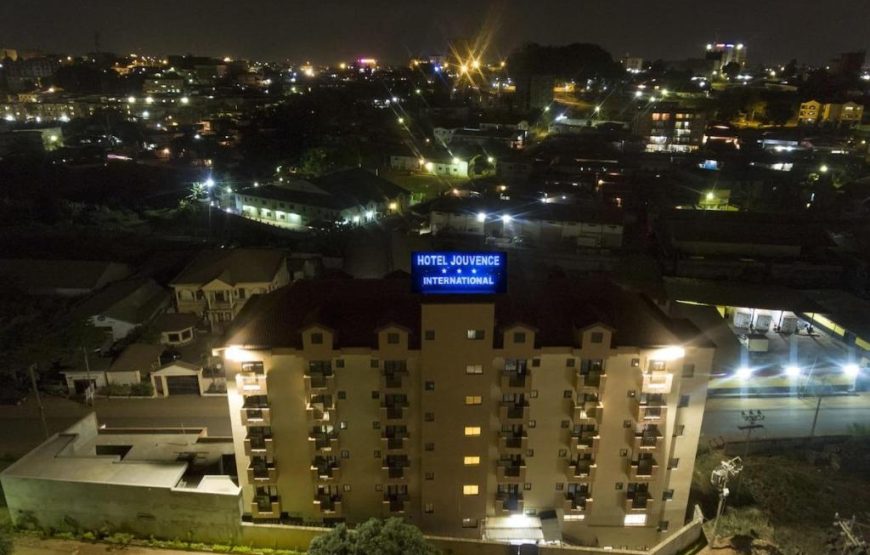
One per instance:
(209, 183)
(851, 370)
(792, 371)
(744, 373)
(481, 217)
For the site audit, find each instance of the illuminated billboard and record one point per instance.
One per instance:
(459, 273)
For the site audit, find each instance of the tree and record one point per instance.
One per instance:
(374, 537)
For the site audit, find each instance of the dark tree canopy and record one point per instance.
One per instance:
(574, 61)
(373, 537)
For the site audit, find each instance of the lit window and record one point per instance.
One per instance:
(635, 520)
(474, 369)
(473, 399)
(472, 430)
(470, 489)
(475, 334)
(471, 461)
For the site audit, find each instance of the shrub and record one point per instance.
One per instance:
(142, 389)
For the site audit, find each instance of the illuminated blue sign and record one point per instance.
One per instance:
(459, 273)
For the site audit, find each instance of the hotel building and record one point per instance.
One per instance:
(578, 402)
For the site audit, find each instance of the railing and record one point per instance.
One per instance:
(635, 502)
(513, 411)
(657, 382)
(577, 503)
(249, 383)
(509, 441)
(260, 446)
(330, 504)
(325, 472)
(394, 504)
(643, 470)
(323, 441)
(585, 443)
(511, 472)
(257, 417)
(583, 470)
(266, 507)
(512, 380)
(591, 382)
(319, 382)
(509, 502)
(394, 442)
(262, 475)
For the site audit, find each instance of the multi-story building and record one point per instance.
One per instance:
(814, 112)
(725, 53)
(216, 284)
(356, 398)
(668, 127)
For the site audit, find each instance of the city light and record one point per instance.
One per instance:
(149, 100)
(792, 371)
(369, 214)
(711, 195)
(823, 168)
(456, 160)
(852, 370)
(401, 120)
(481, 217)
(185, 100)
(506, 219)
(490, 159)
(744, 373)
(209, 183)
(131, 99)
(638, 94)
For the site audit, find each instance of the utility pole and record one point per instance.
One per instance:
(32, 370)
(719, 478)
(89, 392)
(751, 417)
(852, 541)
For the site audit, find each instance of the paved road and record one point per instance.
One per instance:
(785, 417)
(20, 428)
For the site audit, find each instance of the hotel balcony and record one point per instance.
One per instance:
(396, 442)
(638, 502)
(511, 472)
(322, 442)
(320, 408)
(592, 382)
(249, 383)
(324, 470)
(257, 417)
(588, 412)
(651, 411)
(577, 504)
(648, 442)
(394, 411)
(511, 410)
(329, 504)
(643, 470)
(507, 503)
(585, 443)
(263, 476)
(256, 446)
(657, 382)
(512, 382)
(266, 508)
(394, 468)
(319, 382)
(513, 442)
(581, 470)
(392, 381)
(394, 503)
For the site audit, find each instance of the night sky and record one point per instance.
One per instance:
(327, 31)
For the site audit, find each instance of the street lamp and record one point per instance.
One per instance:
(481, 217)
(744, 373)
(792, 371)
(823, 168)
(719, 478)
(851, 370)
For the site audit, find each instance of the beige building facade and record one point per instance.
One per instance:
(354, 398)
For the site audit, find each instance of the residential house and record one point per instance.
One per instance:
(123, 306)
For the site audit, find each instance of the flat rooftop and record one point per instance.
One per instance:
(169, 459)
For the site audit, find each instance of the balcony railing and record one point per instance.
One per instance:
(657, 382)
(643, 470)
(511, 472)
(576, 503)
(513, 411)
(509, 441)
(249, 383)
(260, 476)
(395, 442)
(395, 504)
(582, 470)
(509, 502)
(394, 411)
(636, 502)
(593, 382)
(585, 443)
(319, 382)
(259, 446)
(329, 504)
(266, 507)
(652, 410)
(257, 417)
(325, 472)
(320, 442)
(586, 412)
(648, 442)
(515, 382)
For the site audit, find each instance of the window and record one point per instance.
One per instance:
(684, 401)
(430, 386)
(339, 363)
(186, 334)
(563, 453)
(570, 362)
(376, 424)
(663, 526)
(560, 486)
(472, 431)
(174, 337)
(527, 486)
(242, 293)
(530, 453)
(429, 446)
(429, 335)
(635, 519)
(470, 489)
(519, 337)
(316, 338)
(632, 393)
(623, 452)
(429, 417)
(429, 508)
(679, 429)
(619, 486)
(377, 453)
(596, 337)
(674, 463)
(474, 369)
(342, 425)
(667, 494)
(342, 395)
(536, 362)
(635, 363)
(473, 399)
(393, 338)
(374, 363)
(567, 394)
(345, 454)
(346, 487)
(469, 523)
(475, 335)
(565, 423)
(533, 423)
(376, 394)
(430, 476)
(688, 370)
(471, 460)
(626, 423)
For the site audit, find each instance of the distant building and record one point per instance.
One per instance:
(724, 53)
(534, 92)
(163, 483)
(163, 83)
(67, 278)
(668, 127)
(632, 64)
(849, 63)
(813, 112)
(176, 329)
(216, 284)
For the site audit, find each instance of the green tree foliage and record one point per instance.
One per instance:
(578, 61)
(374, 537)
(6, 546)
